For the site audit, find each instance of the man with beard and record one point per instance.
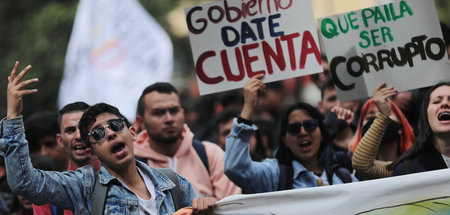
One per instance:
(78, 152)
(166, 141)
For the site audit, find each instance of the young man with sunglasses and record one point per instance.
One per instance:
(132, 187)
(167, 142)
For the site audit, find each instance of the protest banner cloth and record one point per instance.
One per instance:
(420, 193)
(399, 43)
(234, 40)
(116, 50)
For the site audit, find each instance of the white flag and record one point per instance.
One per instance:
(116, 49)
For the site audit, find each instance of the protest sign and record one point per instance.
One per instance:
(116, 50)
(421, 193)
(234, 40)
(399, 43)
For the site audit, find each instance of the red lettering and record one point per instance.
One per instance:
(201, 73)
(226, 66)
(309, 46)
(290, 42)
(269, 54)
(228, 10)
(250, 59)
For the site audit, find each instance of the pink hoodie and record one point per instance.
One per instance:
(188, 164)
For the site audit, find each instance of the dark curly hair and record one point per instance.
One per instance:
(89, 117)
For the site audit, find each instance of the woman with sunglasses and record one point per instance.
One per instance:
(383, 134)
(302, 158)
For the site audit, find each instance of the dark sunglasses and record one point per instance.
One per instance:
(99, 133)
(309, 125)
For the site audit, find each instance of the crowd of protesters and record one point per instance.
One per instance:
(265, 137)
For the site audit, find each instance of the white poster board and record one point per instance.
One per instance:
(116, 49)
(399, 43)
(233, 40)
(421, 193)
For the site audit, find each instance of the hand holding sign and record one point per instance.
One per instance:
(381, 96)
(252, 89)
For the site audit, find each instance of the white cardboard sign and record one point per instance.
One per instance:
(233, 40)
(399, 43)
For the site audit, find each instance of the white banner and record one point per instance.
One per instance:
(399, 43)
(116, 50)
(234, 40)
(421, 193)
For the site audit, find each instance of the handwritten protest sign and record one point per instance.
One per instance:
(234, 40)
(399, 43)
(421, 193)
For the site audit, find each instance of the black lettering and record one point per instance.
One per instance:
(333, 65)
(441, 46)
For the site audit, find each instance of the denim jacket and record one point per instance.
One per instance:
(73, 189)
(258, 177)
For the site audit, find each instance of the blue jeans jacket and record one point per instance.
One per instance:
(73, 189)
(258, 177)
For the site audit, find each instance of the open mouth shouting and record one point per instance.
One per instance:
(118, 149)
(444, 116)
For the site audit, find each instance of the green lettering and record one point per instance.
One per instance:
(404, 7)
(386, 11)
(375, 36)
(379, 15)
(365, 16)
(365, 36)
(352, 20)
(386, 32)
(392, 9)
(340, 25)
(329, 32)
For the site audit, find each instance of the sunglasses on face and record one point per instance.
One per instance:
(309, 125)
(99, 133)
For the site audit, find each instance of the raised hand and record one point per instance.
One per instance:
(15, 91)
(343, 113)
(381, 96)
(252, 88)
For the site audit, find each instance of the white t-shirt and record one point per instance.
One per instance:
(148, 207)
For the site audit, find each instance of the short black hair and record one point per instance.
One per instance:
(161, 87)
(40, 125)
(72, 107)
(226, 115)
(90, 116)
(328, 84)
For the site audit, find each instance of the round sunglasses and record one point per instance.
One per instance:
(309, 125)
(99, 133)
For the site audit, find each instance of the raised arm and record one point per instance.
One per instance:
(251, 176)
(35, 185)
(16, 91)
(363, 159)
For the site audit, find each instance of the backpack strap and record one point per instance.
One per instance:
(285, 180)
(201, 151)
(176, 191)
(343, 174)
(98, 197)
